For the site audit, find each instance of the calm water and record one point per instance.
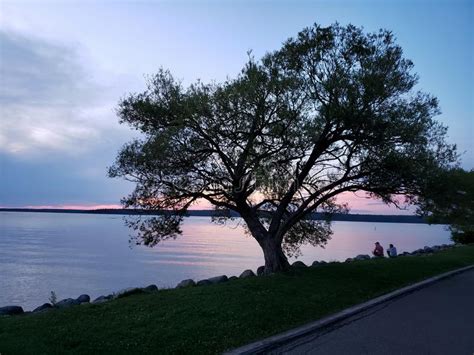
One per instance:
(79, 253)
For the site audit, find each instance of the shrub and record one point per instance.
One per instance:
(463, 236)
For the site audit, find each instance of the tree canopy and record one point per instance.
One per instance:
(449, 198)
(334, 110)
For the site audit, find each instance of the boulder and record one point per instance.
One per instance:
(151, 288)
(186, 283)
(204, 282)
(362, 257)
(43, 307)
(218, 279)
(102, 299)
(260, 270)
(298, 264)
(83, 299)
(247, 273)
(66, 303)
(10, 310)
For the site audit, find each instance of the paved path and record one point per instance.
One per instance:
(438, 319)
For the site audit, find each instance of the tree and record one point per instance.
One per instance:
(333, 110)
(449, 198)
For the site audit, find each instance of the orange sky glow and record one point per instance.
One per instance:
(357, 204)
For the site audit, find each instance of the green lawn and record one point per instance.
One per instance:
(211, 319)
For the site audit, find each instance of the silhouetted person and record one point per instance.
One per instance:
(378, 251)
(392, 251)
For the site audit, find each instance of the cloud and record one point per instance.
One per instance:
(48, 101)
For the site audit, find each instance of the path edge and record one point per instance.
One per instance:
(282, 338)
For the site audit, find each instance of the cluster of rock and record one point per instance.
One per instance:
(69, 302)
(426, 250)
(300, 264)
(82, 299)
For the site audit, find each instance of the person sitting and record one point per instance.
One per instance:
(392, 251)
(378, 251)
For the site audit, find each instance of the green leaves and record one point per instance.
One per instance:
(448, 197)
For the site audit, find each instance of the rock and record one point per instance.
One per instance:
(315, 263)
(233, 278)
(260, 270)
(43, 307)
(186, 283)
(66, 303)
(246, 274)
(298, 264)
(362, 257)
(10, 310)
(218, 279)
(83, 299)
(102, 299)
(151, 288)
(128, 292)
(348, 260)
(204, 282)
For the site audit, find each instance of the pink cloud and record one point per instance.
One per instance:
(360, 203)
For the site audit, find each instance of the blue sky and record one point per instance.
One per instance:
(65, 64)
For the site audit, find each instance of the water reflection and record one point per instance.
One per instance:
(75, 253)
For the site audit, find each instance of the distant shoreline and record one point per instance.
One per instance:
(209, 213)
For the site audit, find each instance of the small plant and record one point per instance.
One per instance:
(53, 299)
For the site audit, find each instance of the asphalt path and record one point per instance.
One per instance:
(437, 319)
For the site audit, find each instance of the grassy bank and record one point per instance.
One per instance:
(211, 319)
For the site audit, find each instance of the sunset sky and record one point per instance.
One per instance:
(65, 64)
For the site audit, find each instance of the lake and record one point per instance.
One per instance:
(72, 254)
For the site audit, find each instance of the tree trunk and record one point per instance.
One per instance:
(275, 259)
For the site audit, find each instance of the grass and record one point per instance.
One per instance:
(211, 319)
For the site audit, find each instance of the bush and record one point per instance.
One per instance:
(463, 236)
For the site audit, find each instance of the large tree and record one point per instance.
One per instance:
(334, 110)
